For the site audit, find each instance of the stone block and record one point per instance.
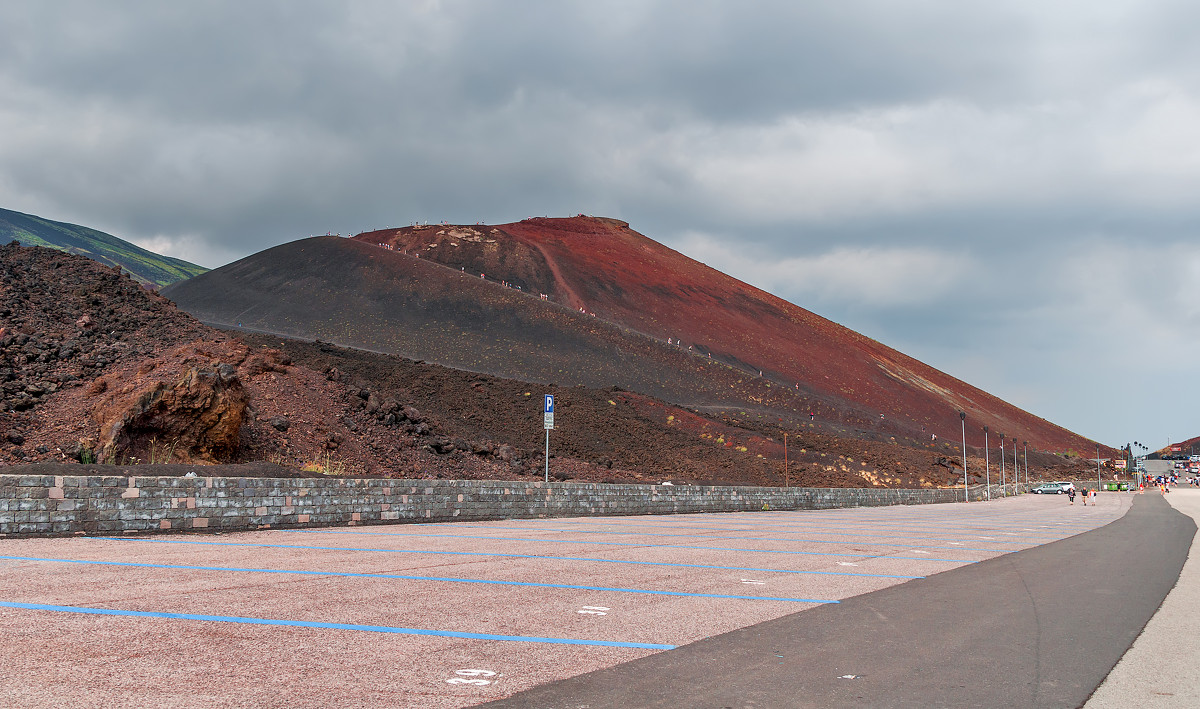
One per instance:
(35, 481)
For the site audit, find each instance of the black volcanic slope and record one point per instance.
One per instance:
(589, 301)
(353, 294)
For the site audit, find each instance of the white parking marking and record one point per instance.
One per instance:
(472, 677)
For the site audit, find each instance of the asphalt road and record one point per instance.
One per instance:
(1037, 628)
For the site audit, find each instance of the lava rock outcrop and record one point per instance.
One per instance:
(200, 414)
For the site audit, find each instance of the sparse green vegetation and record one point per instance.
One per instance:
(144, 266)
(326, 464)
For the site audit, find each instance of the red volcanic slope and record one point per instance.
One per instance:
(1189, 446)
(605, 268)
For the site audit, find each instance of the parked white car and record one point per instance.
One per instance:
(1053, 488)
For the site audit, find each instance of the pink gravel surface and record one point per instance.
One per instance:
(51, 658)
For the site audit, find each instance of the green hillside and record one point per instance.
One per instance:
(144, 266)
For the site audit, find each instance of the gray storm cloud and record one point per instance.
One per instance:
(995, 189)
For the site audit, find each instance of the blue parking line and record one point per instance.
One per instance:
(970, 522)
(645, 546)
(515, 556)
(333, 626)
(403, 577)
(949, 526)
(951, 517)
(666, 546)
(852, 534)
(953, 532)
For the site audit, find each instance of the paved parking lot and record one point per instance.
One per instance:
(451, 615)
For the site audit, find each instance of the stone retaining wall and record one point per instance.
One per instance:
(33, 505)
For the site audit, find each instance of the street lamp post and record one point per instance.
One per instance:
(1142, 475)
(1137, 475)
(1016, 468)
(1097, 466)
(1002, 478)
(962, 416)
(1026, 464)
(987, 463)
(1129, 465)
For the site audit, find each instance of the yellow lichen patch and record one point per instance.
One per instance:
(877, 478)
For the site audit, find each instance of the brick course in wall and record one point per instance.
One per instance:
(34, 505)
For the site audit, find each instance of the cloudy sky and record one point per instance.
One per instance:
(1007, 191)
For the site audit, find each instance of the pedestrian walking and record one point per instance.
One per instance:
(1092, 495)
(1071, 495)
(1083, 493)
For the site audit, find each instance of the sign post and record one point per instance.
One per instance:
(548, 421)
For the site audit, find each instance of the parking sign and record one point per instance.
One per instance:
(548, 412)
